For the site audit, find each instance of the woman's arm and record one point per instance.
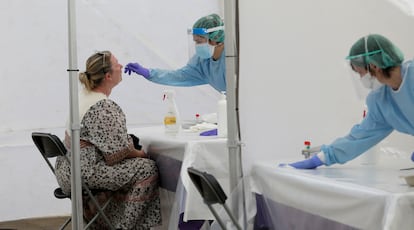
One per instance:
(136, 153)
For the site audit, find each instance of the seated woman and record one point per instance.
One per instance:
(107, 155)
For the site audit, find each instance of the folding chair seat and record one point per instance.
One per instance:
(212, 193)
(50, 146)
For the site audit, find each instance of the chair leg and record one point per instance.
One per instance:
(98, 206)
(100, 211)
(66, 223)
(223, 226)
(233, 219)
(221, 223)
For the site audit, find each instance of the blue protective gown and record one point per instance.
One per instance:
(197, 72)
(388, 110)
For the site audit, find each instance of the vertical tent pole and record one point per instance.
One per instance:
(232, 74)
(76, 189)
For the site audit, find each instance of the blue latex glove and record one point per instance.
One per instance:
(412, 156)
(136, 68)
(310, 163)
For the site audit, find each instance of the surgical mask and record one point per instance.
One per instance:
(204, 50)
(370, 82)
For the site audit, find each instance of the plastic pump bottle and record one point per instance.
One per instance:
(171, 118)
(222, 116)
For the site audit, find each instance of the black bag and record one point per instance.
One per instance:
(135, 139)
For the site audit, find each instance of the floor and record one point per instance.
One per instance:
(45, 223)
(54, 222)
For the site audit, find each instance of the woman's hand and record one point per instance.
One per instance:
(137, 153)
(143, 154)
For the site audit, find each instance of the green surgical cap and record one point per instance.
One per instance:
(211, 21)
(378, 51)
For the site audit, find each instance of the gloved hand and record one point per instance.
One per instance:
(310, 163)
(136, 68)
(412, 156)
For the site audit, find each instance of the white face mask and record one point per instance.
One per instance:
(370, 82)
(204, 50)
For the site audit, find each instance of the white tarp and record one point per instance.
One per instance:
(294, 82)
(34, 94)
(358, 196)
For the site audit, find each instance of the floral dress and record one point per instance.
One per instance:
(105, 144)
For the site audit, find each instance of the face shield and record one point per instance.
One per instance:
(356, 73)
(362, 80)
(198, 42)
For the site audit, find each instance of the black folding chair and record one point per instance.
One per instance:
(212, 193)
(50, 146)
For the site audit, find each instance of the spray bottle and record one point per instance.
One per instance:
(369, 157)
(222, 116)
(171, 118)
(308, 152)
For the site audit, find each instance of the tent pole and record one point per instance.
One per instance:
(233, 133)
(76, 188)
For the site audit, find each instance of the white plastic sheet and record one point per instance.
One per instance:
(293, 82)
(362, 197)
(35, 92)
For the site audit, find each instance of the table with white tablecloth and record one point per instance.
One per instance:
(175, 153)
(345, 196)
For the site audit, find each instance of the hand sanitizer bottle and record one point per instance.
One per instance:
(171, 118)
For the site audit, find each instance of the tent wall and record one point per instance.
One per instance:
(34, 94)
(294, 82)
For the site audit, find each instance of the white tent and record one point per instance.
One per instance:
(293, 83)
(35, 92)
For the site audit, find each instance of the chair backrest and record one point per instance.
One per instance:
(208, 186)
(49, 146)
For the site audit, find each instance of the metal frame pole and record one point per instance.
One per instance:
(76, 189)
(232, 74)
(231, 79)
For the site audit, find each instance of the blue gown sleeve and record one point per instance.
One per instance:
(196, 72)
(362, 137)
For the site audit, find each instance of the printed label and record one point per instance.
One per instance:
(170, 120)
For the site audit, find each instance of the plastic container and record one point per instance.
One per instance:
(222, 116)
(306, 150)
(198, 119)
(171, 118)
(409, 180)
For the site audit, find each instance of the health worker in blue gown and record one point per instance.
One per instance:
(207, 66)
(379, 64)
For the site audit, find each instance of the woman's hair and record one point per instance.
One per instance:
(97, 66)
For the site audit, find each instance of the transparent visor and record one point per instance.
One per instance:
(198, 42)
(358, 67)
(356, 74)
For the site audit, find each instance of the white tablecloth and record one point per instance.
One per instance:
(205, 153)
(365, 197)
